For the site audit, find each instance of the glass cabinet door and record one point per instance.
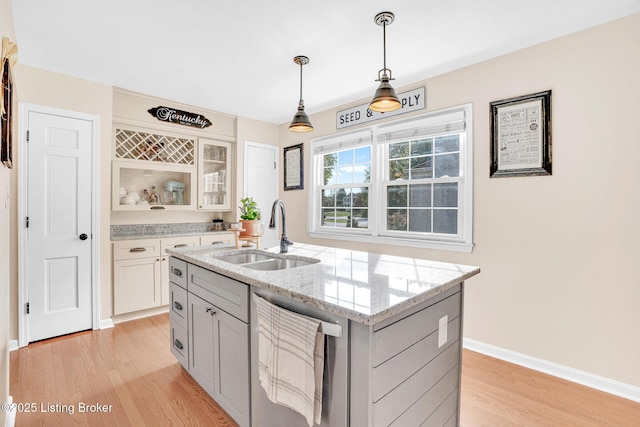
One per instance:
(214, 175)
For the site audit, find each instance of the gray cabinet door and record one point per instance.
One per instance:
(201, 342)
(232, 366)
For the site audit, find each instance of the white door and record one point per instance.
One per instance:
(261, 182)
(59, 180)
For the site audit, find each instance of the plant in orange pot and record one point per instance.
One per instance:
(250, 218)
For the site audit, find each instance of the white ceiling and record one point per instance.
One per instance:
(237, 56)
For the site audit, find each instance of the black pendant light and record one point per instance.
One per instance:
(385, 98)
(301, 122)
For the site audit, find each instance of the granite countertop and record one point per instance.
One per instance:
(361, 286)
(156, 231)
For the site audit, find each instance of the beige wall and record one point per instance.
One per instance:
(560, 270)
(6, 30)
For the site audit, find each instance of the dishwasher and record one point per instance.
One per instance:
(335, 390)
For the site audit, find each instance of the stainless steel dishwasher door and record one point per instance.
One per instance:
(265, 413)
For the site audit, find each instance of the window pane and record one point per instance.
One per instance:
(421, 167)
(420, 195)
(422, 147)
(330, 160)
(447, 165)
(343, 218)
(363, 155)
(362, 173)
(447, 144)
(398, 149)
(328, 198)
(328, 217)
(397, 196)
(360, 218)
(398, 169)
(346, 199)
(341, 196)
(445, 195)
(397, 219)
(345, 174)
(445, 221)
(360, 197)
(329, 176)
(345, 157)
(420, 220)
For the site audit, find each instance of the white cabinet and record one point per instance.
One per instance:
(136, 275)
(218, 239)
(156, 162)
(214, 189)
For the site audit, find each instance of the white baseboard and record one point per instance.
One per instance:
(13, 345)
(607, 385)
(106, 323)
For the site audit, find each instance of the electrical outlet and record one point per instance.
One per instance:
(442, 331)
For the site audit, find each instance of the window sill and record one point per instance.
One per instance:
(414, 243)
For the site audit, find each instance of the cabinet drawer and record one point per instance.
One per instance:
(133, 249)
(218, 239)
(225, 293)
(179, 344)
(178, 272)
(178, 304)
(178, 242)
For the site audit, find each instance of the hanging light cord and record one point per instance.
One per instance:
(300, 102)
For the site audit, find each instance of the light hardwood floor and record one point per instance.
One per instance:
(131, 369)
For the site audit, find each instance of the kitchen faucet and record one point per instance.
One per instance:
(284, 240)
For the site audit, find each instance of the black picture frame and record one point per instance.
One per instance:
(294, 167)
(521, 136)
(6, 146)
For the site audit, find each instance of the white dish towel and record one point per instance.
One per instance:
(291, 359)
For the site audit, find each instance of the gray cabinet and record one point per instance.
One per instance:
(217, 341)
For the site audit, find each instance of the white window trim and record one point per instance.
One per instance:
(461, 243)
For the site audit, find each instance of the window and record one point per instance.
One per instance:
(406, 182)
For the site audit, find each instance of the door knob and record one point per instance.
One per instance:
(83, 236)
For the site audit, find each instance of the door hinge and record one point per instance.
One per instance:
(26, 222)
(27, 307)
(274, 165)
(27, 136)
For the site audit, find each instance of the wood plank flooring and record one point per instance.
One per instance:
(130, 372)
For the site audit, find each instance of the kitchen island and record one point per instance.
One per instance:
(393, 354)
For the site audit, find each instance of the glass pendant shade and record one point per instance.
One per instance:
(385, 98)
(301, 122)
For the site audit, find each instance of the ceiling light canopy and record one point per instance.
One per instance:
(301, 122)
(385, 98)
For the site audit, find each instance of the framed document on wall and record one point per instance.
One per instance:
(521, 136)
(293, 168)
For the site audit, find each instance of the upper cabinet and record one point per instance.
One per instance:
(214, 190)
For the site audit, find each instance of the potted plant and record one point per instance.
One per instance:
(250, 217)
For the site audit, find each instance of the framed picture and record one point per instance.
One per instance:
(6, 117)
(521, 136)
(293, 168)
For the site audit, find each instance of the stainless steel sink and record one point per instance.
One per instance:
(279, 264)
(244, 258)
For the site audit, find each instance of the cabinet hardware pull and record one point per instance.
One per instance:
(177, 305)
(217, 242)
(178, 344)
(138, 250)
(181, 245)
(157, 207)
(211, 311)
(176, 271)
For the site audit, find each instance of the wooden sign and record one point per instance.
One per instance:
(171, 115)
(412, 100)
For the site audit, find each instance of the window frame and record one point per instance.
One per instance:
(377, 232)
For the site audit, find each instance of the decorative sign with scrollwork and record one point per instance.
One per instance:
(412, 100)
(171, 115)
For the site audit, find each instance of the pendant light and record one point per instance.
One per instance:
(385, 98)
(301, 122)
